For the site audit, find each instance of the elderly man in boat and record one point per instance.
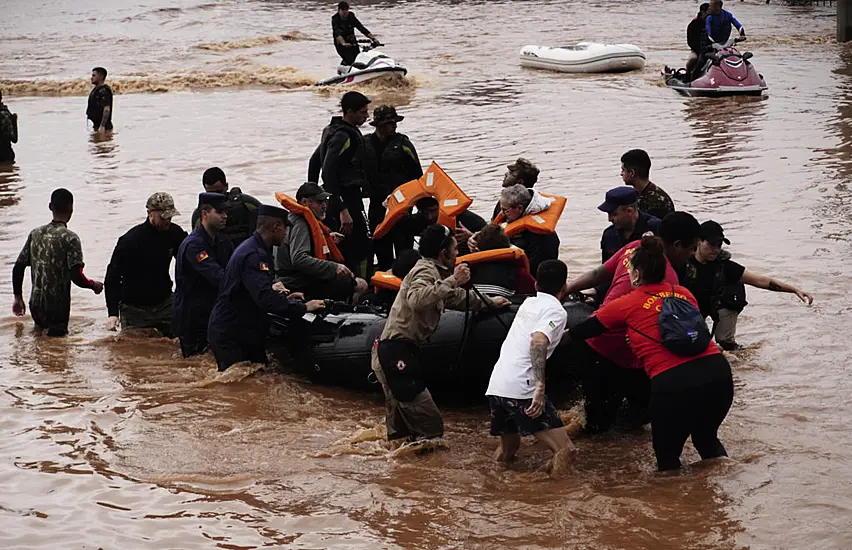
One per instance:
(529, 220)
(308, 260)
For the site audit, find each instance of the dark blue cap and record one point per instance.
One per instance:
(273, 212)
(218, 201)
(619, 196)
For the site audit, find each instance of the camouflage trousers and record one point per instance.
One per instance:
(158, 316)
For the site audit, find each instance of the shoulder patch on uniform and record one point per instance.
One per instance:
(264, 266)
(552, 325)
(201, 256)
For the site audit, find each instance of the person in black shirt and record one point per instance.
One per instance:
(696, 38)
(427, 213)
(340, 158)
(628, 224)
(717, 282)
(390, 160)
(138, 287)
(100, 101)
(343, 25)
(242, 208)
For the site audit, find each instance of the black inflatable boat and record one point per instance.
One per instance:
(335, 348)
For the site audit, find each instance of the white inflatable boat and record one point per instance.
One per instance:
(584, 57)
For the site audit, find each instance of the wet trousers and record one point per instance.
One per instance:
(606, 386)
(691, 399)
(414, 418)
(158, 316)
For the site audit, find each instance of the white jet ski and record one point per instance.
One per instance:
(584, 57)
(370, 64)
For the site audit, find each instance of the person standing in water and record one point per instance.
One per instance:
(100, 101)
(55, 258)
(515, 391)
(433, 284)
(8, 133)
(343, 25)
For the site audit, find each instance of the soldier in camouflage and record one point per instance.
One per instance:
(635, 171)
(8, 133)
(55, 258)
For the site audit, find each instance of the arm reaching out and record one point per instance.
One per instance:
(762, 281)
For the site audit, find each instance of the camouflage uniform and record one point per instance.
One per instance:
(655, 201)
(52, 251)
(8, 134)
(100, 97)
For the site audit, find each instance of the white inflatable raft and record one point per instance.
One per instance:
(584, 57)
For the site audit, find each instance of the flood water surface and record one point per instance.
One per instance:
(115, 441)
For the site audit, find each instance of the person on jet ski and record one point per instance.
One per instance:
(696, 38)
(343, 25)
(718, 23)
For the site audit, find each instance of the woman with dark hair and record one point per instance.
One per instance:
(690, 395)
(499, 277)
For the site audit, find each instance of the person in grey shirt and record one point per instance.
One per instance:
(308, 261)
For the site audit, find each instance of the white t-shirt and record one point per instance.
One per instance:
(512, 375)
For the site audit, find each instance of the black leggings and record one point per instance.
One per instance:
(691, 399)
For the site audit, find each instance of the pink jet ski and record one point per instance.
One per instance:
(724, 72)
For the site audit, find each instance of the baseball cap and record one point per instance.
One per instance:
(311, 190)
(162, 203)
(219, 201)
(712, 232)
(623, 195)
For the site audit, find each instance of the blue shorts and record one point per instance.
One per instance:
(508, 416)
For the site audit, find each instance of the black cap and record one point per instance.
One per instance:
(274, 212)
(311, 190)
(623, 195)
(218, 201)
(712, 231)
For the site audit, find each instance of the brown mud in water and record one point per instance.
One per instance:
(115, 441)
(253, 42)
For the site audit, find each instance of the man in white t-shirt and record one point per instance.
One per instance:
(516, 389)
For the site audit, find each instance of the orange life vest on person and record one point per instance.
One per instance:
(389, 281)
(322, 243)
(511, 254)
(452, 201)
(544, 222)
(386, 280)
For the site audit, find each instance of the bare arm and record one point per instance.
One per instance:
(538, 356)
(590, 279)
(768, 283)
(105, 119)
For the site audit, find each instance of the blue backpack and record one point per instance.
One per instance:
(683, 329)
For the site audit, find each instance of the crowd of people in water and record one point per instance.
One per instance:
(413, 252)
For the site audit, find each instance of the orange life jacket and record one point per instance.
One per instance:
(452, 201)
(543, 222)
(389, 281)
(511, 254)
(323, 245)
(386, 280)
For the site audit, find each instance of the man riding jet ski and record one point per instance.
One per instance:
(360, 60)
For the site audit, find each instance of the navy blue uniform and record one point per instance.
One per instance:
(200, 265)
(239, 321)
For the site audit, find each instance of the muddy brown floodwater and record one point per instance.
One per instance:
(116, 442)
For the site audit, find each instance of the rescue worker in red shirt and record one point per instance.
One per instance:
(611, 371)
(690, 395)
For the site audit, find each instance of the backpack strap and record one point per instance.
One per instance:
(634, 329)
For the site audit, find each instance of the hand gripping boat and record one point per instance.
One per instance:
(725, 72)
(585, 57)
(335, 348)
(370, 64)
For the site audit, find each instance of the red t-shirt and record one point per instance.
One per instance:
(639, 311)
(613, 344)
